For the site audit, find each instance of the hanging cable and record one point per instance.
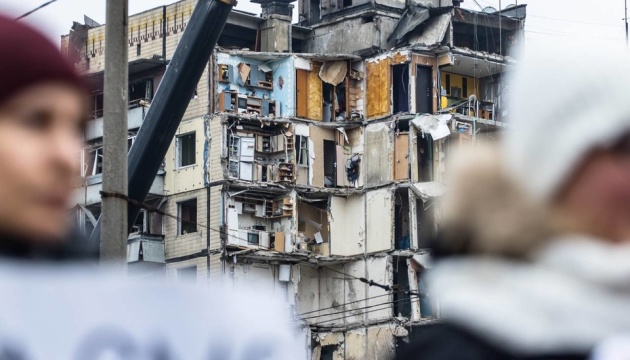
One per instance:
(352, 310)
(344, 304)
(362, 313)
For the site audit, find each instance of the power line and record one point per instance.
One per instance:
(344, 304)
(364, 312)
(156, 210)
(374, 283)
(352, 310)
(36, 9)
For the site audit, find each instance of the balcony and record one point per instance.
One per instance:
(137, 111)
(145, 255)
(89, 191)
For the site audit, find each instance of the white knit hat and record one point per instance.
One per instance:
(565, 100)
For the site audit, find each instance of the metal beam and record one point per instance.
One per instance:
(172, 99)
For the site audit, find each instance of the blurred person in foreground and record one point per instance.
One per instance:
(534, 259)
(42, 115)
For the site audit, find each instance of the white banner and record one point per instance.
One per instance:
(55, 313)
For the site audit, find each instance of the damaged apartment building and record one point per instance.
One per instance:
(310, 159)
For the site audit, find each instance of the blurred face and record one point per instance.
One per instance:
(597, 199)
(40, 139)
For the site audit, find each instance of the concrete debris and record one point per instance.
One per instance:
(436, 125)
(333, 72)
(413, 17)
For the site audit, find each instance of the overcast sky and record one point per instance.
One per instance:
(547, 20)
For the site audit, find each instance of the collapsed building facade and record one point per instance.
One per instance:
(310, 157)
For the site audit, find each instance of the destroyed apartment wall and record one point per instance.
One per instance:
(343, 298)
(359, 35)
(254, 85)
(260, 220)
(336, 157)
(491, 33)
(347, 225)
(376, 342)
(260, 153)
(401, 82)
(328, 89)
(313, 225)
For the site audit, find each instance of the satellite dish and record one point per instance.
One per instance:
(489, 10)
(510, 6)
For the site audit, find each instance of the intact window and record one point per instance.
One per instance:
(302, 155)
(187, 216)
(186, 150)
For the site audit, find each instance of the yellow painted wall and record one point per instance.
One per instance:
(190, 177)
(457, 81)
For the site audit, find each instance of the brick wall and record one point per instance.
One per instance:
(177, 245)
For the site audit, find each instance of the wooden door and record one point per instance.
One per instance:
(302, 93)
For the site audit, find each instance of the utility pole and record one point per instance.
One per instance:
(626, 19)
(113, 246)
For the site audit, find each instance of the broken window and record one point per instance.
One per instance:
(187, 211)
(141, 90)
(187, 274)
(93, 162)
(185, 150)
(302, 153)
(400, 87)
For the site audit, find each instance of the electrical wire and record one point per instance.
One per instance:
(351, 310)
(344, 304)
(362, 313)
(156, 210)
(36, 9)
(374, 283)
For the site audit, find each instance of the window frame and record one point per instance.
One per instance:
(180, 222)
(302, 159)
(179, 152)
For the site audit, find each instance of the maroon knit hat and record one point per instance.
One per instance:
(28, 58)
